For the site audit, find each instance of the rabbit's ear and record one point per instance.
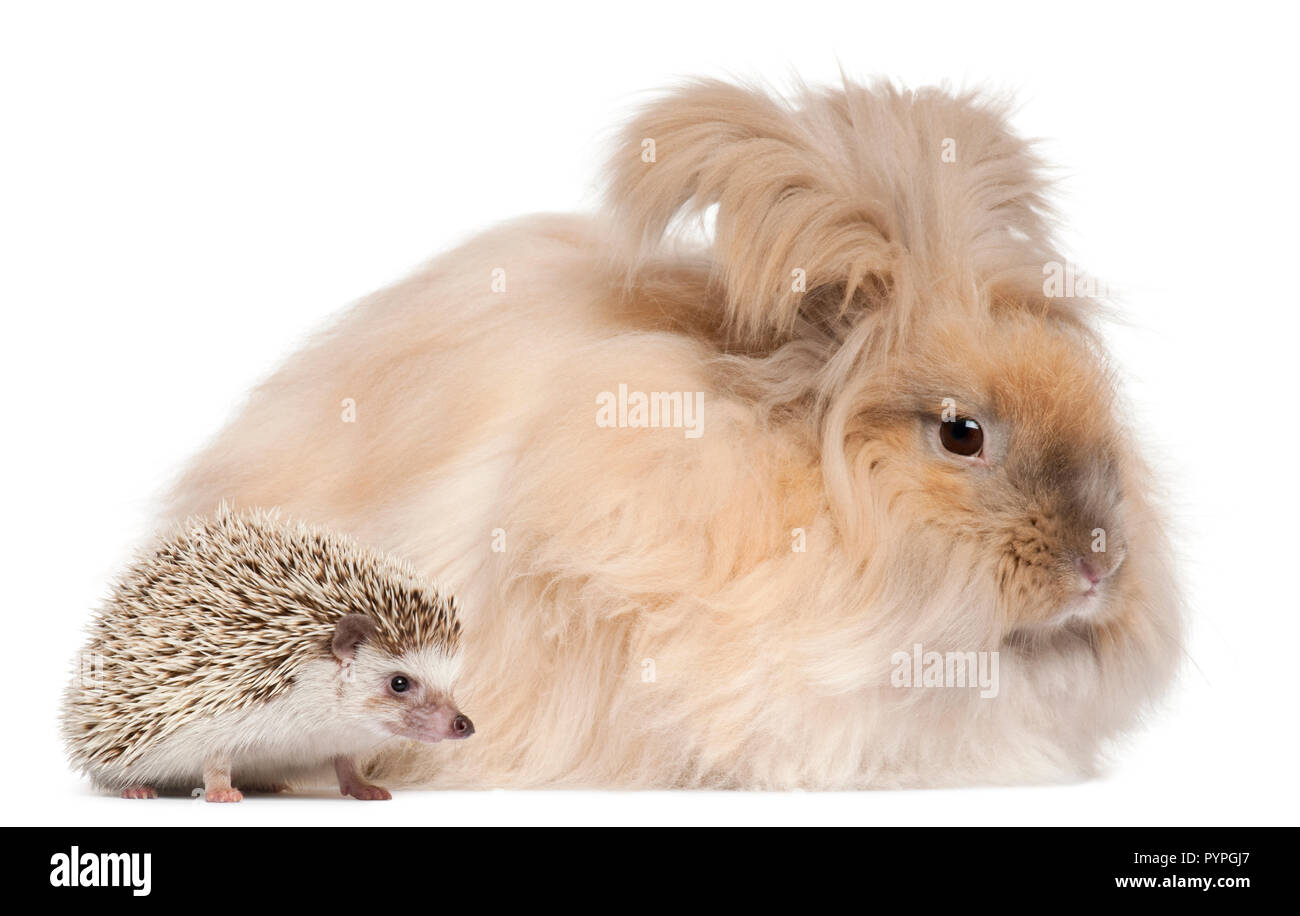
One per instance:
(838, 201)
(784, 225)
(1050, 288)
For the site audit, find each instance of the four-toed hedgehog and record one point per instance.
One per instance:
(242, 650)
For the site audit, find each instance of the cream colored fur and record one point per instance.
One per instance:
(631, 553)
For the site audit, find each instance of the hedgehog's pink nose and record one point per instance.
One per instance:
(435, 721)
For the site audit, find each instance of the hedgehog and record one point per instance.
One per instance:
(240, 649)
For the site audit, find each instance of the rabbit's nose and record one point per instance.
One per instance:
(1090, 571)
(1093, 570)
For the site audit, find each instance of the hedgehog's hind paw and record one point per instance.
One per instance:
(140, 792)
(224, 795)
(216, 784)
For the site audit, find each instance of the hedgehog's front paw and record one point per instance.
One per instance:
(351, 782)
(366, 792)
(224, 795)
(140, 792)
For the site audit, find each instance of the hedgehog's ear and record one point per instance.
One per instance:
(351, 631)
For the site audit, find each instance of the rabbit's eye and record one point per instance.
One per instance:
(962, 436)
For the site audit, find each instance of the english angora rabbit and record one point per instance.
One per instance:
(705, 502)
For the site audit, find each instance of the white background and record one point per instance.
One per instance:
(186, 193)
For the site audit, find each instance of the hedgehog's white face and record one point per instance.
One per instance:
(408, 695)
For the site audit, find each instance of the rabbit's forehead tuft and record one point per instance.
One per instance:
(1046, 381)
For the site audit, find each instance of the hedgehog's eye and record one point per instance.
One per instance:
(962, 436)
(399, 684)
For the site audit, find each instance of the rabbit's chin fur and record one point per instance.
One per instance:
(648, 608)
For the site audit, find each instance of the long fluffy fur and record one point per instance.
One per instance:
(647, 622)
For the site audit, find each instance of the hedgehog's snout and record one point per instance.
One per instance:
(435, 721)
